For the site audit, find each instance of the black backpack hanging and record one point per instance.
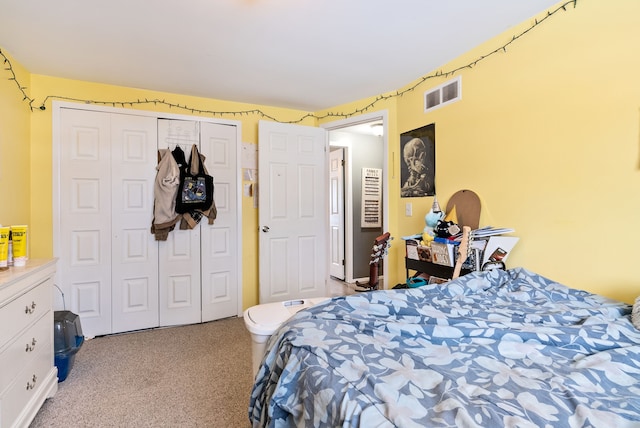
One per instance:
(196, 187)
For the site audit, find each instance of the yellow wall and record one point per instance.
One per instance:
(547, 133)
(15, 175)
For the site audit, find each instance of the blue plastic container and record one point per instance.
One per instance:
(67, 339)
(416, 282)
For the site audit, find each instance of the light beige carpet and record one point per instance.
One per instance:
(189, 376)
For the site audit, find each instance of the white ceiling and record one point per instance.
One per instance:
(302, 54)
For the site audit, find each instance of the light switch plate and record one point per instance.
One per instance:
(408, 209)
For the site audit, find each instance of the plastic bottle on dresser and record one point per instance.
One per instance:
(10, 253)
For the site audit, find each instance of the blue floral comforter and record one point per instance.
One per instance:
(493, 349)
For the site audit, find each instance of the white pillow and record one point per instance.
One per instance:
(635, 313)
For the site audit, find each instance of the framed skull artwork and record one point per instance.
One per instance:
(418, 165)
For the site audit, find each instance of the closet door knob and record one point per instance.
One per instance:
(265, 228)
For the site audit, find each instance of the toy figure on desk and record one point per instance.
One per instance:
(431, 220)
(446, 229)
(448, 226)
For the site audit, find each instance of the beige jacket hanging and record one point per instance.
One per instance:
(165, 191)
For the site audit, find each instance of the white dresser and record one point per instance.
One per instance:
(28, 375)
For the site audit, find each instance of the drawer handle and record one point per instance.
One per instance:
(32, 385)
(30, 309)
(31, 346)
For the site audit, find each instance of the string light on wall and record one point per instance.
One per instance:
(23, 90)
(260, 113)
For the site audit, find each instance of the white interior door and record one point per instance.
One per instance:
(336, 213)
(108, 260)
(179, 255)
(292, 212)
(134, 252)
(84, 220)
(220, 241)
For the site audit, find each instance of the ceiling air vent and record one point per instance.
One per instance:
(446, 93)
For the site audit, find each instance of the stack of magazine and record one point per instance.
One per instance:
(488, 245)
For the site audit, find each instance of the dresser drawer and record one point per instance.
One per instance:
(32, 343)
(25, 388)
(17, 314)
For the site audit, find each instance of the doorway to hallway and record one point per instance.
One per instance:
(362, 143)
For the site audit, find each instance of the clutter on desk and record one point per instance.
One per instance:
(438, 241)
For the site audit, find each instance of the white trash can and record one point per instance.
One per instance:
(263, 320)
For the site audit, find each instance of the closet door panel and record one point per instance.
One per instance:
(134, 249)
(84, 266)
(220, 265)
(179, 255)
(179, 270)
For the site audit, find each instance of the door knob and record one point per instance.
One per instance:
(265, 228)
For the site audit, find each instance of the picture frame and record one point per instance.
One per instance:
(417, 167)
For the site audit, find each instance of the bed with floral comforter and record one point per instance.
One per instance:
(493, 349)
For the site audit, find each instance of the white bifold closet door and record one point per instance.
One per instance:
(220, 241)
(179, 255)
(108, 261)
(199, 268)
(112, 271)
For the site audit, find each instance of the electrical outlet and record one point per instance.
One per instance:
(408, 209)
